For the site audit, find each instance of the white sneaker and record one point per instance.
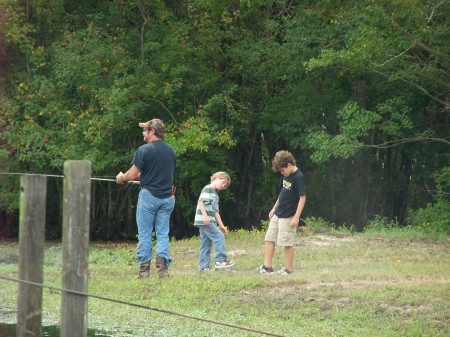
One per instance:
(284, 271)
(224, 264)
(207, 269)
(264, 270)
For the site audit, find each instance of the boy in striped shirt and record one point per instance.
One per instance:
(207, 217)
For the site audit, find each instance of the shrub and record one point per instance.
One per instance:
(433, 219)
(381, 224)
(264, 225)
(319, 225)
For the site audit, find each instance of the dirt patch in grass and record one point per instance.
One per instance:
(322, 240)
(406, 309)
(328, 293)
(237, 252)
(292, 298)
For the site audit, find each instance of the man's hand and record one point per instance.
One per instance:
(120, 178)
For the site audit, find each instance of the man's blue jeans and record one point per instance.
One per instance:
(210, 234)
(153, 214)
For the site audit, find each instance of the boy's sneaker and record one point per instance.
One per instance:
(224, 264)
(144, 270)
(264, 270)
(207, 269)
(284, 271)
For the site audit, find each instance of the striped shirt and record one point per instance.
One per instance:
(210, 198)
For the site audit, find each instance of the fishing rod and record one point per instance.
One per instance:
(135, 182)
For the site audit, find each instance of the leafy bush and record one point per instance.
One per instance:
(264, 225)
(319, 225)
(433, 219)
(381, 224)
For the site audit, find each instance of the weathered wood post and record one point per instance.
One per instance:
(33, 194)
(76, 215)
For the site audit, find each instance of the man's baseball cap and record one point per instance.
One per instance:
(155, 124)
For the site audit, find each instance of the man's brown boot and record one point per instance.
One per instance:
(162, 267)
(144, 270)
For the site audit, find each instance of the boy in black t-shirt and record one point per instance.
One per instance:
(285, 214)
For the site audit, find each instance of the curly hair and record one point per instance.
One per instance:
(282, 159)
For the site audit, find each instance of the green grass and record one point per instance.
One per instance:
(344, 285)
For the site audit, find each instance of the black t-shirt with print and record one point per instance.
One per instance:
(292, 188)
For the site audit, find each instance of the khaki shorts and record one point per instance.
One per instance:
(281, 232)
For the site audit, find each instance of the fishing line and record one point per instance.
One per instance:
(61, 176)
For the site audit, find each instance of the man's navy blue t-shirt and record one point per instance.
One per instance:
(156, 161)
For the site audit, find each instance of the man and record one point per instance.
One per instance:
(154, 166)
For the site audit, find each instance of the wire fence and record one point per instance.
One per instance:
(163, 311)
(167, 312)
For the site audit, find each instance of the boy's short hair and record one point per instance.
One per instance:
(282, 159)
(222, 175)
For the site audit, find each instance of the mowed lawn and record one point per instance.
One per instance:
(344, 285)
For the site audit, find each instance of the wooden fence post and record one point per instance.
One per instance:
(33, 193)
(76, 216)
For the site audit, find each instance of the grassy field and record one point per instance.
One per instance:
(344, 285)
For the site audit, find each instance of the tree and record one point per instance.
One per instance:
(358, 92)
(391, 92)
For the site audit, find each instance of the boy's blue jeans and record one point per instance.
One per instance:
(210, 234)
(153, 214)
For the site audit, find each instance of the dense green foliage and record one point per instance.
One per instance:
(358, 92)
